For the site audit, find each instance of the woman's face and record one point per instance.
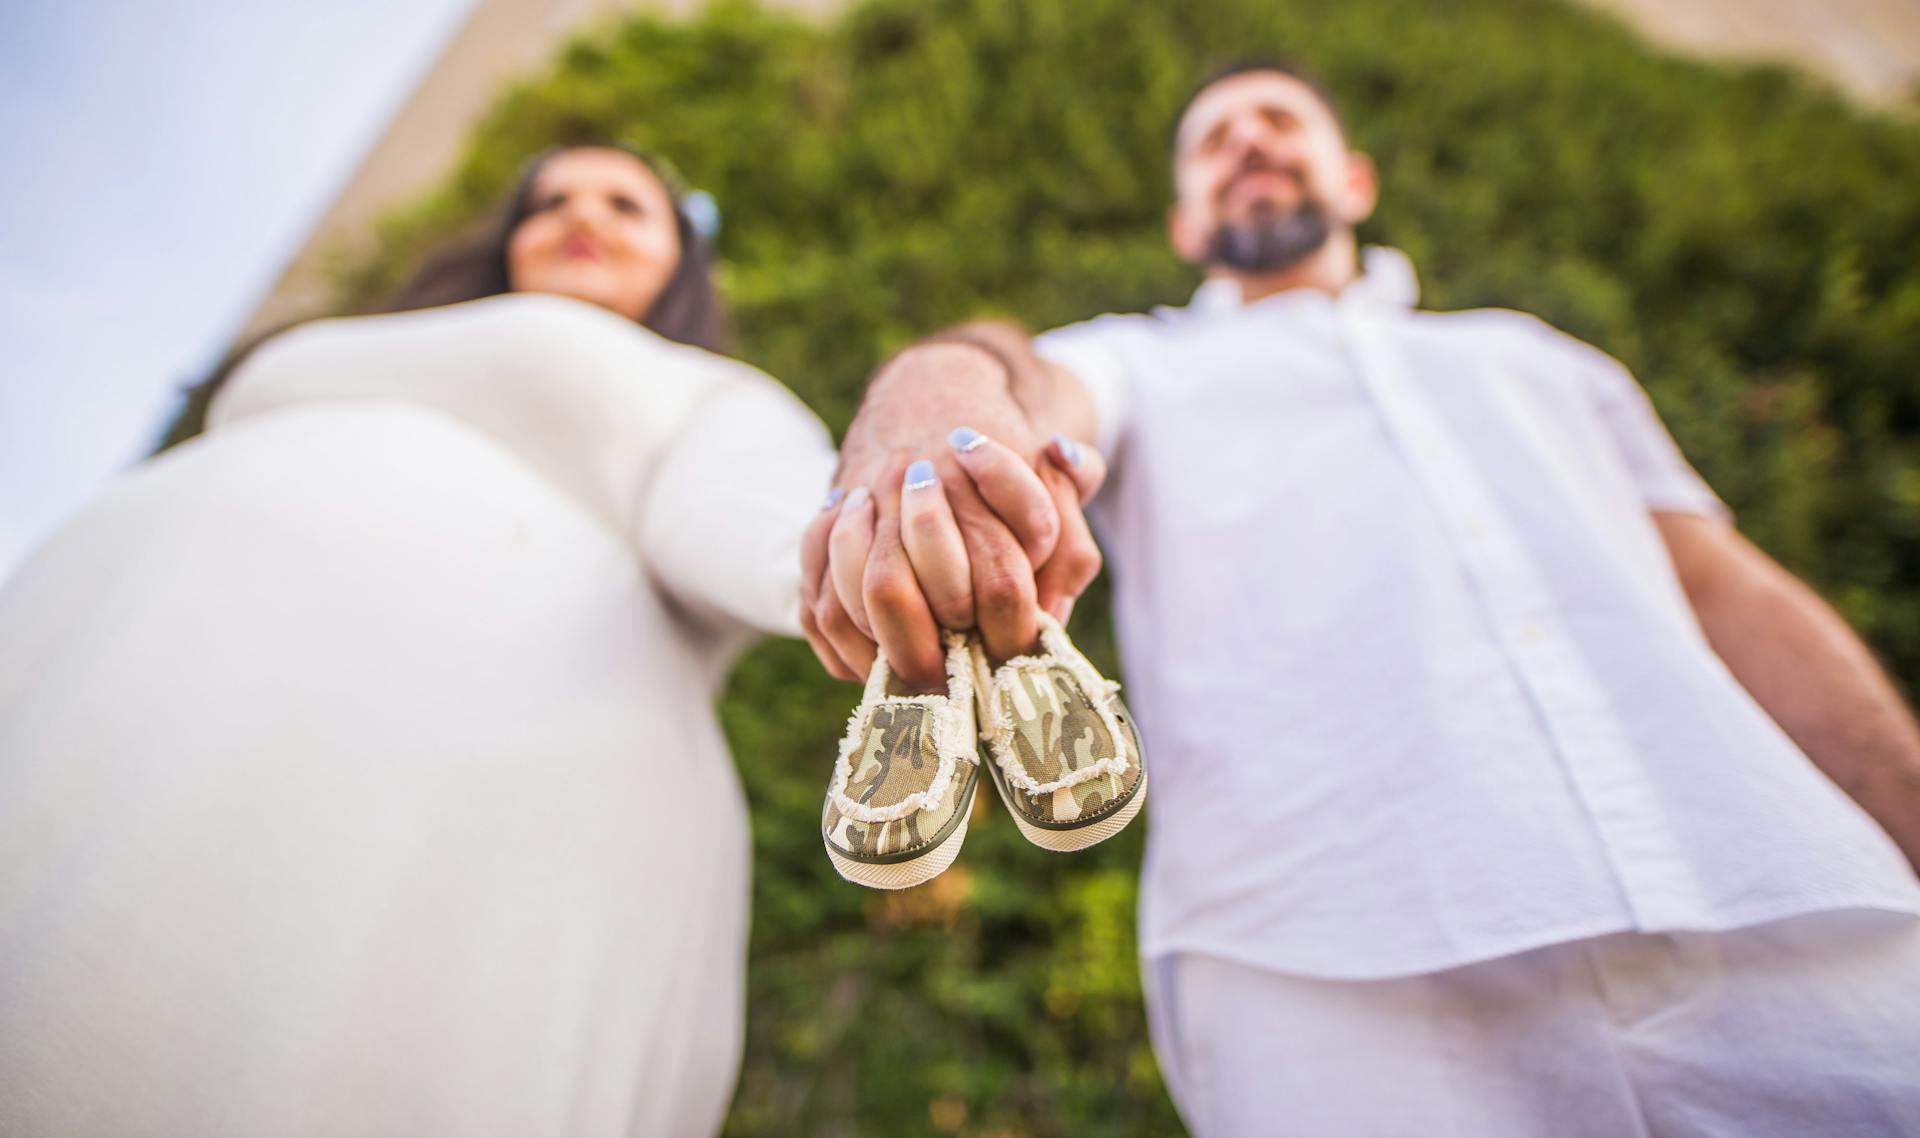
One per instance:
(599, 228)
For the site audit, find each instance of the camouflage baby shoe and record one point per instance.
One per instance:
(1063, 751)
(903, 784)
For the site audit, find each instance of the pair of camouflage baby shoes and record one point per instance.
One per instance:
(1059, 745)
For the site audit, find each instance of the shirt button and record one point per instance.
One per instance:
(1530, 632)
(1477, 525)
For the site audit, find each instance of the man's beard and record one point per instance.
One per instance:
(1271, 243)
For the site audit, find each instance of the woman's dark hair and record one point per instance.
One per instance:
(687, 310)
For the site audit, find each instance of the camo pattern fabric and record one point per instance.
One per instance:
(897, 757)
(1057, 730)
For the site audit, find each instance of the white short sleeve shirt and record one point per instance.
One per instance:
(1416, 678)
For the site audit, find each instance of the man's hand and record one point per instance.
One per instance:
(952, 499)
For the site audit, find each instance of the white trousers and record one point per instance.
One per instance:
(1804, 1028)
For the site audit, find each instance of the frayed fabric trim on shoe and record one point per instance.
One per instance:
(1057, 647)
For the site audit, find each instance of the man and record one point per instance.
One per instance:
(1480, 738)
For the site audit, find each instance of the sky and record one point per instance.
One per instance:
(163, 162)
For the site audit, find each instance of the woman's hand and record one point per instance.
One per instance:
(964, 530)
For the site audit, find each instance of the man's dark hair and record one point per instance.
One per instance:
(1251, 64)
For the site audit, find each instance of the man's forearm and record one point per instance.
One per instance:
(981, 375)
(1054, 399)
(1817, 680)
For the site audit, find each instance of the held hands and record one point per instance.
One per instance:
(943, 524)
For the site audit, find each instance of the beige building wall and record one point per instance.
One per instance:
(1870, 47)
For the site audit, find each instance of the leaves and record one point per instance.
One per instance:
(1745, 241)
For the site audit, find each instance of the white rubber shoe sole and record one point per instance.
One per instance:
(1077, 837)
(913, 871)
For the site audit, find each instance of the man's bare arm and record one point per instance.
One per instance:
(986, 368)
(1809, 671)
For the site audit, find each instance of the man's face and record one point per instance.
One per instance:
(1263, 176)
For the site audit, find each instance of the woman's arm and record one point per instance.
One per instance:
(720, 525)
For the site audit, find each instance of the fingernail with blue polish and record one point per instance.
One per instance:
(920, 476)
(833, 499)
(964, 439)
(855, 500)
(1069, 449)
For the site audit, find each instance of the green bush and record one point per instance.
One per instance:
(1748, 243)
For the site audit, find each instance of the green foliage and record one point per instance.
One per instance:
(1748, 244)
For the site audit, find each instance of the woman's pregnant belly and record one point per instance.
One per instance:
(339, 749)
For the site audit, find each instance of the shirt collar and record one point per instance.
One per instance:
(1386, 280)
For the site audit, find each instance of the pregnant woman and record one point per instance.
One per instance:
(358, 767)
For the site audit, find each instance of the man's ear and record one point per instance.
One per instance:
(1189, 243)
(1362, 189)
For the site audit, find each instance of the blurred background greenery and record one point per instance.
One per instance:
(1745, 240)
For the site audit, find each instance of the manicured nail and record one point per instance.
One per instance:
(1069, 449)
(964, 439)
(833, 499)
(920, 476)
(855, 500)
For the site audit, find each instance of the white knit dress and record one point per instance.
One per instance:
(358, 768)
